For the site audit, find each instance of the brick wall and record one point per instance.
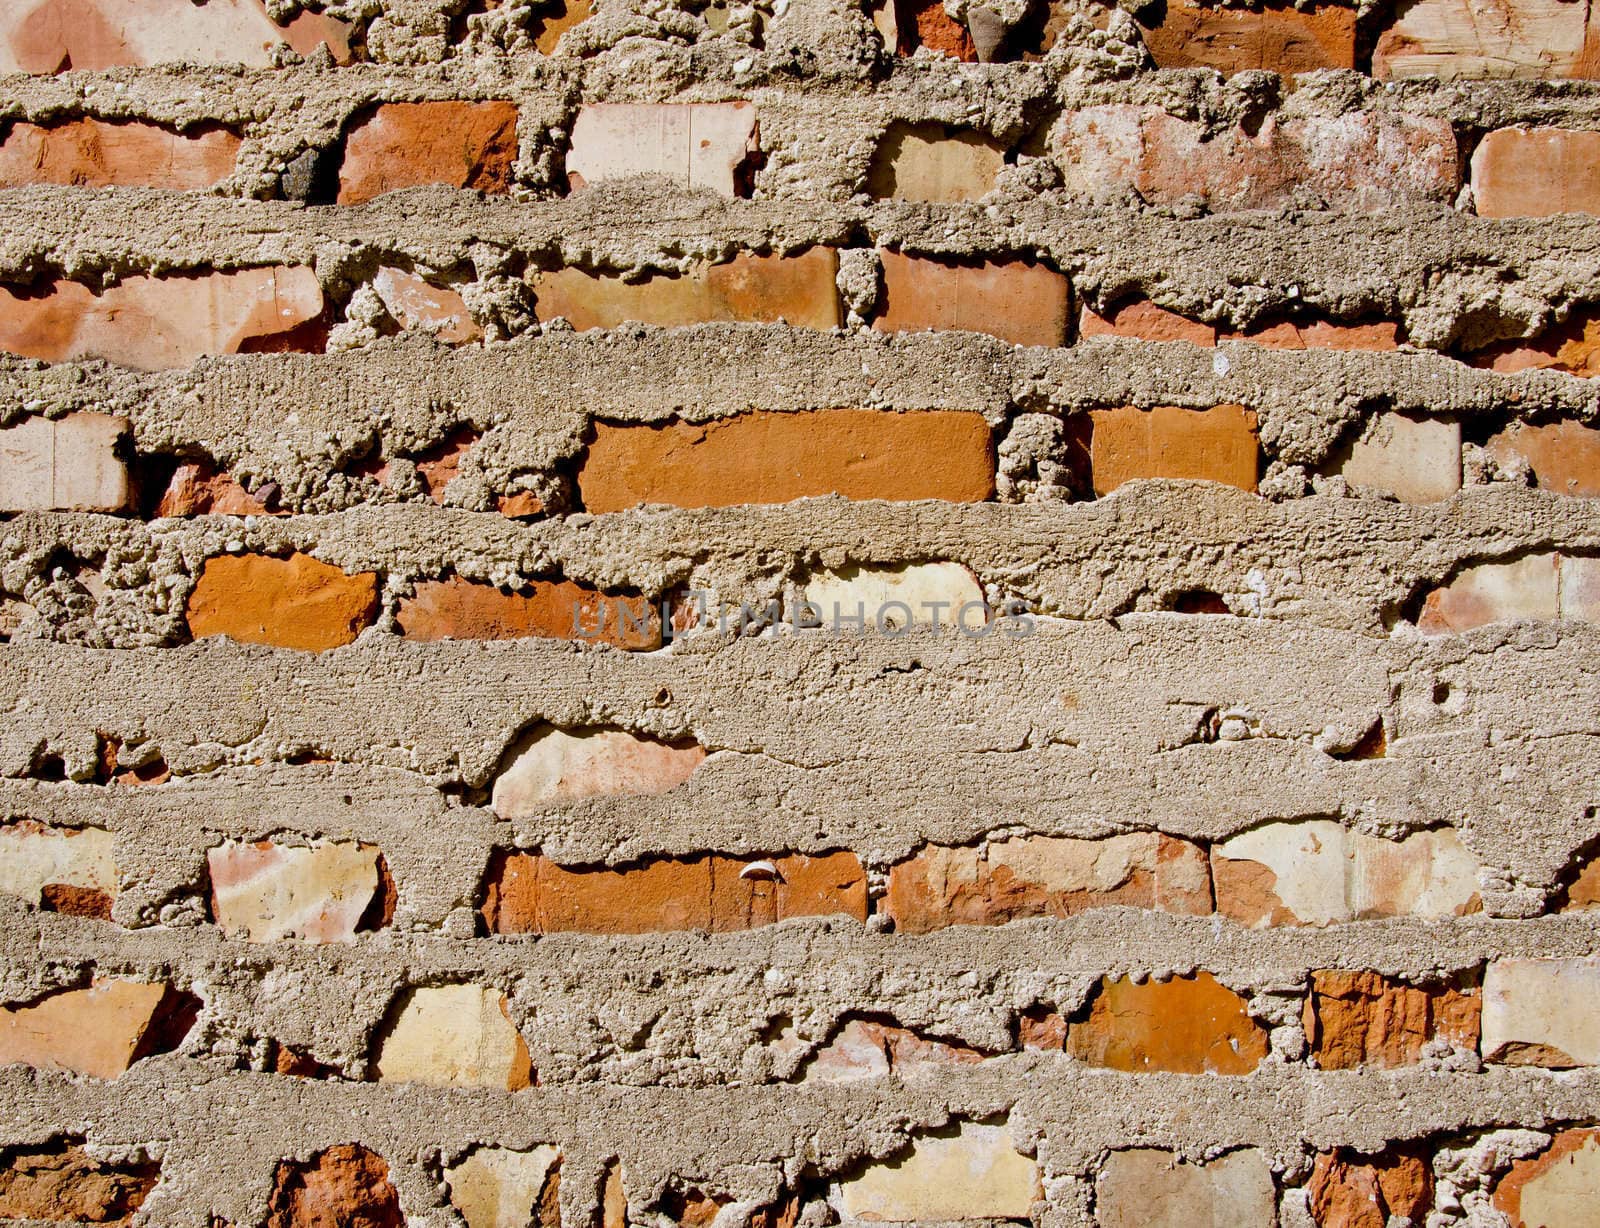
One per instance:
(796, 613)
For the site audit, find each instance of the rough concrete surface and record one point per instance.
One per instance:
(1185, 657)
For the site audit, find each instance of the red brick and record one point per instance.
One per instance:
(95, 154)
(553, 23)
(344, 1185)
(1016, 300)
(528, 893)
(196, 489)
(1143, 320)
(1043, 876)
(924, 23)
(1564, 456)
(413, 144)
(1278, 38)
(1535, 172)
(865, 1049)
(416, 303)
(765, 457)
(1363, 1019)
(1359, 160)
(49, 36)
(1573, 346)
(459, 609)
(1322, 335)
(62, 1182)
(159, 323)
(1212, 445)
(800, 290)
(1189, 1025)
(295, 602)
(1352, 1191)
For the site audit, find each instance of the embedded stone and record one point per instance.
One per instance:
(973, 1171)
(1318, 873)
(67, 869)
(1046, 876)
(454, 1036)
(266, 892)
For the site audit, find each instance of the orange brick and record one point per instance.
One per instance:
(63, 1182)
(412, 144)
(1535, 172)
(528, 893)
(95, 154)
(343, 1185)
(765, 457)
(800, 290)
(1564, 456)
(1278, 38)
(1322, 335)
(1143, 320)
(1363, 1019)
(1212, 445)
(1572, 346)
(1189, 1025)
(1015, 300)
(295, 602)
(459, 609)
(1352, 1191)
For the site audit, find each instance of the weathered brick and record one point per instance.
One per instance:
(496, 1186)
(64, 869)
(894, 598)
(969, 1171)
(1356, 1019)
(696, 145)
(1558, 1188)
(552, 23)
(1211, 445)
(159, 323)
(1046, 876)
(1417, 460)
(94, 153)
(929, 162)
(1319, 873)
(1539, 586)
(1468, 39)
(552, 767)
(1146, 1188)
(1564, 456)
(266, 892)
(1353, 1191)
(799, 290)
(99, 1031)
(910, 24)
(50, 36)
(1189, 1025)
(415, 302)
(1539, 1012)
(764, 457)
(1535, 172)
(1360, 160)
(551, 609)
(1016, 300)
(295, 602)
(399, 145)
(343, 1185)
(1572, 345)
(196, 489)
(454, 1036)
(866, 1049)
(66, 464)
(1276, 38)
(63, 1182)
(528, 893)
(1143, 320)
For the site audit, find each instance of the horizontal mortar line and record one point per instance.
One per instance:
(1108, 941)
(226, 91)
(1086, 1109)
(230, 231)
(645, 373)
